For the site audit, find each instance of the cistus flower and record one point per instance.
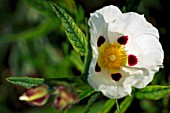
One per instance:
(65, 97)
(126, 52)
(37, 96)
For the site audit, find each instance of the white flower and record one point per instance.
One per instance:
(126, 52)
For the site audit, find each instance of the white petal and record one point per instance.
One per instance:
(109, 13)
(108, 86)
(148, 50)
(98, 23)
(133, 25)
(138, 77)
(135, 76)
(150, 57)
(97, 78)
(113, 36)
(115, 92)
(102, 81)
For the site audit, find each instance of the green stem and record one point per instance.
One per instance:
(88, 57)
(117, 105)
(54, 81)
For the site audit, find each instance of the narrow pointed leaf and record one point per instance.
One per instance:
(26, 82)
(91, 101)
(124, 105)
(73, 32)
(153, 92)
(85, 94)
(107, 106)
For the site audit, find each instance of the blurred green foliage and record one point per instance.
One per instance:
(33, 43)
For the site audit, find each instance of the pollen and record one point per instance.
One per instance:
(112, 57)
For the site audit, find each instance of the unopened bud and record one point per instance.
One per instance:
(36, 96)
(65, 98)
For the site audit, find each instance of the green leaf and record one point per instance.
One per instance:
(85, 94)
(124, 105)
(91, 101)
(73, 32)
(107, 106)
(26, 82)
(153, 92)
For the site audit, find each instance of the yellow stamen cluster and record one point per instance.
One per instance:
(112, 56)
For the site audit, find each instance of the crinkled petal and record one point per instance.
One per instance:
(135, 76)
(102, 81)
(133, 25)
(150, 56)
(97, 77)
(98, 23)
(109, 13)
(108, 87)
(148, 50)
(116, 92)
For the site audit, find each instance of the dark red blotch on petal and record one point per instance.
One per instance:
(100, 40)
(97, 68)
(122, 40)
(116, 76)
(132, 60)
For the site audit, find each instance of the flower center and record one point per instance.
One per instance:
(112, 56)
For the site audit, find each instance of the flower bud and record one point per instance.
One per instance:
(36, 96)
(65, 98)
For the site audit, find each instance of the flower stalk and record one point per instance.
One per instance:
(87, 58)
(117, 105)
